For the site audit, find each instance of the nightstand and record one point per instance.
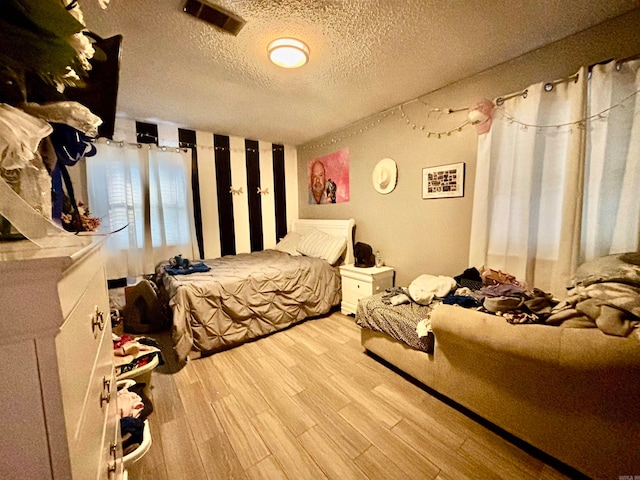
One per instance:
(360, 282)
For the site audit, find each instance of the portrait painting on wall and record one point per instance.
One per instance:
(329, 178)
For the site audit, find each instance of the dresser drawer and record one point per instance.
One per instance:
(89, 445)
(112, 466)
(81, 337)
(75, 282)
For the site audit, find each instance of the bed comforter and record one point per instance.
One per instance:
(246, 296)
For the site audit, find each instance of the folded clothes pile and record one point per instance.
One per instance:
(422, 290)
(134, 407)
(604, 293)
(487, 290)
(130, 352)
(516, 304)
(183, 266)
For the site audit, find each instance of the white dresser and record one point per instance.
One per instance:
(360, 282)
(58, 418)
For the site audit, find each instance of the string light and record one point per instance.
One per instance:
(351, 130)
(149, 146)
(374, 121)
(439, 134)
(356, 128)
(439, 110)
(185, 146)
(580, 123)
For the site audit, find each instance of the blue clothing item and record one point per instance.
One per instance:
(193, 268)
(465, 301)
(132, 430)
(71, 146)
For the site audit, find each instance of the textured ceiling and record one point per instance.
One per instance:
(366, 56)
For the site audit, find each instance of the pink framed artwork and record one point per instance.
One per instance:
(329, 178)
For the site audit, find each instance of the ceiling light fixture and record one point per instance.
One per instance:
(288, 53)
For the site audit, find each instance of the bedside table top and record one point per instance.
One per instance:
(366, 270)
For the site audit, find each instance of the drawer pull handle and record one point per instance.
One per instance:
(113, 452)
(97, 320)
(105, 396)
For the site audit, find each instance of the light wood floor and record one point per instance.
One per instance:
(308, 403)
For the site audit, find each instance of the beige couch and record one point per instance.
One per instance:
(573, 393)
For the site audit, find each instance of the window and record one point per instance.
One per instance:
(557, 175)
(144, 196)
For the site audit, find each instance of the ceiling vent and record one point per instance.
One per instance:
(215, 15)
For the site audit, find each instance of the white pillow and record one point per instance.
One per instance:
(289, 243)
(322, 245)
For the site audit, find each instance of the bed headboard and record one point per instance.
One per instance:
(342, 228)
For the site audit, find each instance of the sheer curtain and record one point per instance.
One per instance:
(612, 182)
(147, 190)
(526, 211)
(555, 180)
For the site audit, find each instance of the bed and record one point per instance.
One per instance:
(250, 295)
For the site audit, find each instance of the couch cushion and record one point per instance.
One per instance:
(574, 348)
(488, 333)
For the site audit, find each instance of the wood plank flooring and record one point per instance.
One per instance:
(308, 403)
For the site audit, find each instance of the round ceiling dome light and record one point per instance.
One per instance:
(288, 53)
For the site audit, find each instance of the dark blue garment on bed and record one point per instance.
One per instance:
(193, 268)
(466, 301)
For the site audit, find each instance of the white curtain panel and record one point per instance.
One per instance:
(171, 204)
(148, 190)
(611, 222)
(557, 177)
(527, 199)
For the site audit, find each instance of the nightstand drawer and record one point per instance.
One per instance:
(356, 289)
